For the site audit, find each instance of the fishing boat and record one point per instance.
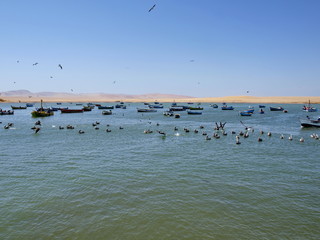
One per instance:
(19, 107)
(71, 110)
(262, 106)
(276, 109)
(194, 112)
(29, 104)
(87, 108)
(176, 109)
(196, 108)
(245, 113)
(156, 106)
(214, 105)
(308, 122)
(42, 112)
(146, 110)
(6, 112)
(105, 107)
(225, 107)
(309, 108)
(106, 112)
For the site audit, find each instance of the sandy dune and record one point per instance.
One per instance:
(26, 96)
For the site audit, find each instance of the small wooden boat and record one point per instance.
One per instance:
(105, 107)
(247, 114)
(196, 108)
(106, 112)
(20, 107)
(42, 112)
(225, 107)
(177, 109)
(276, 109)
(309, 108)
(145, 110)
(71, 110)
(193, 112)
(214, 105)
(6, 112)
(310, 122)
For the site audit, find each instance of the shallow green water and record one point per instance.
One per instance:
(125, 184)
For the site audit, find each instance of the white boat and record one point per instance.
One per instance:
(308, 122)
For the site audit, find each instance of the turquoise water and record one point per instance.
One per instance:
(124, 184)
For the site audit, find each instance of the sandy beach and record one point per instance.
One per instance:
(228, 99)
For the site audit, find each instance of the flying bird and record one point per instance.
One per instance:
(152, 8)
(18, 61)
(71, 90)
(60, 66)
(114, 82)
(35, 64)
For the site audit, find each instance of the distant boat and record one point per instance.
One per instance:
(244, 113)
(156, 106)
(196, 108)
(87, 108)
(168, 113)
(105, 107)
(177, 116)
(29, 104)
(276, 109)
(225, 107)
(194, 112)
(58, 103)
(71, 110)
(146, 110)
(107, 112)
(309, 108)
(175, 109)
(20, 107)
(310, 122)
(262, 106)
(214, 105)
(42, 112)
(6, 112)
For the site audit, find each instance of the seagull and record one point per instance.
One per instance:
(152, 8)
(60, 66)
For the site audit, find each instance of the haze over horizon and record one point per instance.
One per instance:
(202, 48)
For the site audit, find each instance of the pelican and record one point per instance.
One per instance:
(301, 139)
(120, 127)
(175, 128)
(38, 123)
(259, 139)
(290, 137)
(60, 127)
(152, 8)
(281, 137)
(108, 130)
(269, 134)
(162, 133)
(208, 138)
(36, 130)
(81, 131)
(195, 131)
(96, 128)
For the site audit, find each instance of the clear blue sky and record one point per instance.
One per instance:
(201, 48)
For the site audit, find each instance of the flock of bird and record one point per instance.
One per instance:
(218, 131)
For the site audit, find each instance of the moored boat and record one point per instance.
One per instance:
(177, 108)
(29, 104)
(276, 109)
(146, 110)
(6, 112)
(42, 112)
(308, 122)
(309, 108)
(105, 107)
(225, 107)
(106, 112)
(245, 113)
(71, 110)
(19, 107)
(196, 108)
(194, 112)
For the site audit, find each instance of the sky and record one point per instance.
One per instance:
(198, 48)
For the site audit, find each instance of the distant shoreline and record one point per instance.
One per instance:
(227, 99)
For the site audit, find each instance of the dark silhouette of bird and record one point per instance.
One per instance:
(60, 66)
(18, 61)
(152, 7)
(37, 130)
(35, 64)
(51, 77)
(71, 90)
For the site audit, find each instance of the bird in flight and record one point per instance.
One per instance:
(71, 90)
(60, 66)
(35, 64)
(18, 61)
(152, 8)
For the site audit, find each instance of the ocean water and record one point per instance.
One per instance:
(124, 184)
